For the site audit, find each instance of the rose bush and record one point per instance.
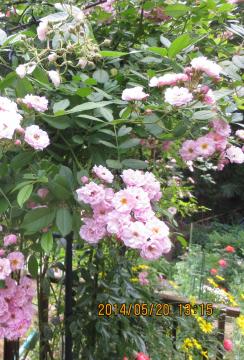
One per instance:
(106, 109)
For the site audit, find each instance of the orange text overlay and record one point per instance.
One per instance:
(161, 309)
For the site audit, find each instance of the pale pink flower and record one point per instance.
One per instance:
(158, 229)
(178, 96)
(101, 211)
(141, 197)
(143, 215)
(154, 249)
(7, 105)
(10, 239)
(205, 146)
(220, 141)
(42, 30)
(209, 97)
(55, 77)
(124, 201)
(91, 193)
(9, 118)
(36, 138)
(82, 63)
(92, 231)
(207, 66)
(39, 103)
(103, 173)
(167, 79)
(221, 127)
(134, 94)
(142, 277)
(172, 210)
(3, 307)
(152, 186)
(133, 177)
(235, 155)
(21, 70)
(52, 57)
(135, 235)
(188, 150)
(17, 260)
(116, 223)
(42, 193)
(240, 134)
(5, 269)
(84, 179)
(108, 6)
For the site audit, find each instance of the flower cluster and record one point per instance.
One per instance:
(127, 213)
(215, 142)
(10, 121)
(75, 46)
(16, 309)
(191, 344)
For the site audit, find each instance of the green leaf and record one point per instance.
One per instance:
(88, 106)
(129, 143)
(124, 131)
(176, 11)
(33, 266)
(47, 242)
(179, 44)
(77, 139)
(158, 50)
(134, 164)
(4, 205)
(106, 143)
(2, 284)
(23, 87)
(83, 92)
(101, 76)
(24, 194)
(114, 164)
(22, 159)
(182, 241)
(61, 105)
(64, 221)
(38, 219)
(203, 115)
(58, 122)
(60, 188)
(113, 53)
(180, 130)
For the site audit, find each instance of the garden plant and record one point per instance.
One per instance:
(121, 132)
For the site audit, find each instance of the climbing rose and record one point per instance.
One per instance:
(235, 155)
(134, 94)
(103, 173)
(36, 138)
(207, 66)
(240, 134)
(167, 79)
(25, 69)
(221, 127)
(91, 193)
(39, 103)
(188, 150)
(209, 97)
(42, 192)
(42, 30)
(55, 77)
(9, 118)
(133, 177)
(16, 259)
(205, 146)
(5, 268)
(228, 345)
(178, 96)
(230, 249)
(10, 239)
(153, 249)
(92, 231)
(135, 235)
(223, 263)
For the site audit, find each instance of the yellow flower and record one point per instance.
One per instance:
(220, 278)
(143, 267)
(231, 299)
(192, 300)
(205, 354)
(206, 327)
(242, 296)
(173, 284)
(197, 344)
(134, 268)
(134, 280)
(240, 323)
(212, 282)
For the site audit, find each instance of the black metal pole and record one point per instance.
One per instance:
(68, 354)
(11, 350)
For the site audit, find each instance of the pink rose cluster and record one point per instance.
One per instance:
(15, 297)
(214, 143)
(16, 308)
(10, 121)
(126, 214)
(186, 86)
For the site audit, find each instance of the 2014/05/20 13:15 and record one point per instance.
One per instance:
(161, 309)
